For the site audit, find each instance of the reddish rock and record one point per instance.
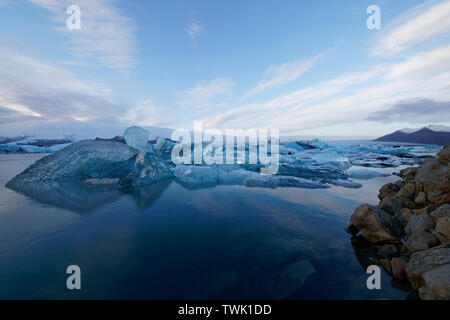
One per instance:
(398, 267)
(420, 211)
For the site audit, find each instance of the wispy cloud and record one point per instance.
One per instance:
(283, 73)
(347, 98)
(416, 110)
(194, 30)
(206, 94)
(287, 104)
(105, 35)
(146, 114)
(422, 63)
(417, 25)
(35, 89)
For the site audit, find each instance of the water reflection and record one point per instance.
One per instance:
(169, 241)
(80, 197)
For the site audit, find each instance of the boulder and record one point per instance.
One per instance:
(421, 240)
(419, 222)
(386, 264)
(408, 173)
(428, 272)
(419, 187)
(376, 225)
(398, 267)
(441, 212)
(435, 196)
(421, 198)
(352, 230)
(405, 214)
(387, 251)
(390, 205)
(388, 190)
(434, 177)
(444, 155)
(407, 192)
(445, 198)
(443, 229)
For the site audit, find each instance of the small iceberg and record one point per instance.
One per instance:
(366, 174)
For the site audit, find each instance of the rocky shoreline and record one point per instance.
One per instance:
(408, 233)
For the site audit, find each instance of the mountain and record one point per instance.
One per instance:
(437, 135)
(432, 127)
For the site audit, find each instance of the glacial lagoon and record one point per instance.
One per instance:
(169, 241)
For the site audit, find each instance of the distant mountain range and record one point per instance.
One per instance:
(432, 134)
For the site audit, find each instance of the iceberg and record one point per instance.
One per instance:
(164, 145)
(25, 148)
(295, 146)
(198, 175)
(345, 183)
(80, 161)
(148, 168)
(285, 150)
(137, 137)
(307, 145)
(207, 176)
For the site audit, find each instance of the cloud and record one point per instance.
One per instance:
(422, 63)
(8, 115)
(207, 94)
(283, 73)
(348, 98)
(146, 114)
(416, 110)
(105, 34)
(193, 30)
(35, 89)
(417, 25)
(289, 103)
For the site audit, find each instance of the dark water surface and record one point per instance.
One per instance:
(169, 242)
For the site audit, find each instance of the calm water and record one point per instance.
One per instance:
(166, 241)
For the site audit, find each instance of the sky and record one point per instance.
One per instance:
(307, 68)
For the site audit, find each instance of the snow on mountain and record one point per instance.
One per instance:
(408, 130)
(432, 127)
(438, 128)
